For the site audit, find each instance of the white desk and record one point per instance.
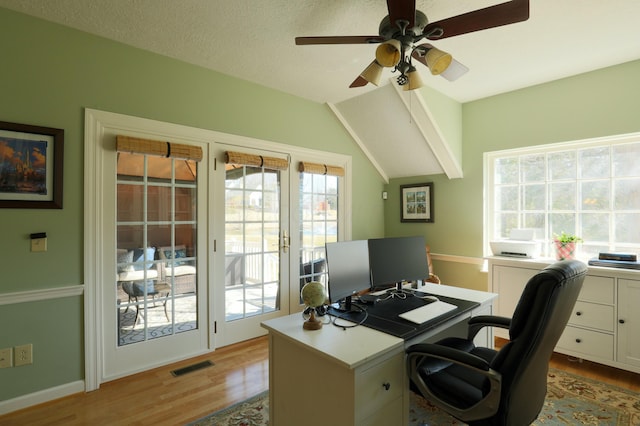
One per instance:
(350, 377)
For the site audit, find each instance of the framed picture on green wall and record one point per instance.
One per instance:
(30, 166)
(416, 202)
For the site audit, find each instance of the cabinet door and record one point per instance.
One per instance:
(509, 283)
(628, 321)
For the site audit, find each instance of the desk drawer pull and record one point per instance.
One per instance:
(578, 313)
(578, 340)
(386, 385)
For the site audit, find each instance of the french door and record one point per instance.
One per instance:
(146, 257)
(222, 231)
(156, 303)
(255, 248)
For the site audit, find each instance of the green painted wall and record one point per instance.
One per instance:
(595, 104)
(49, 74)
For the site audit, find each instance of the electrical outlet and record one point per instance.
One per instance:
(6, 358)
(23, 355)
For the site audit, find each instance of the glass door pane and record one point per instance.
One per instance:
(252, 242)
(156, 247)
(318, 224)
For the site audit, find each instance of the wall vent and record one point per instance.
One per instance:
(190, 368)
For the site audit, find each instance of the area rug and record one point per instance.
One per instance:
(571, 400)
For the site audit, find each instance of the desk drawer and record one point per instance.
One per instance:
(592, 315)
(597, 289)
(380, 384)
(390, 414)
(587, 342)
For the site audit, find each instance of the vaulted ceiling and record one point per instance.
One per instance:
(254, 40)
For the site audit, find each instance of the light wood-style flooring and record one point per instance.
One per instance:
(156, 397)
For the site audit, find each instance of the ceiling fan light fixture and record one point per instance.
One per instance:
(373, 73)
(414, 81)
(388, 53)
(437, 60)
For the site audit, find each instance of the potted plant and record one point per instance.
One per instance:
(565, 245)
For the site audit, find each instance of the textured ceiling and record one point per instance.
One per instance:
(254, 40)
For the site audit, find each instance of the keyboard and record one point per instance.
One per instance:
(428, 312)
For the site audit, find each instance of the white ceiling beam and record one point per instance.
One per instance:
(426, 124)
(358, 141)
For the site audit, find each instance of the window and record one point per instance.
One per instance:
(589, 188)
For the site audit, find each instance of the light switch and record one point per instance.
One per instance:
(39, 241)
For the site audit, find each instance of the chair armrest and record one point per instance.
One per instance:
(421, 350)
(477, 323)
(484, 408)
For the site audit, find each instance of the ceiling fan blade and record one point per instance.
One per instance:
(490, 17)
(339, 40)
(402, 10)
(359, 82)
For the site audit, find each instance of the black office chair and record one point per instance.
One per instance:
(481, 386)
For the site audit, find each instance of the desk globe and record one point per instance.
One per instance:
(313, 296)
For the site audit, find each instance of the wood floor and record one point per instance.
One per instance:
(157, 397)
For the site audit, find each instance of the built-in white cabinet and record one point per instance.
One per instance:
(590, 333)
(629, 322)
(604, 321)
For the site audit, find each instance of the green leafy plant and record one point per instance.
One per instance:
(567, 238)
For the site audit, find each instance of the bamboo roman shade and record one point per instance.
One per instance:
(158, 148)
(320, 169)
(244, 159)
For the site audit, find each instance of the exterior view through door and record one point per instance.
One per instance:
(253, 246)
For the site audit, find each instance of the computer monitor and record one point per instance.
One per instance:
(347, 270)
(398, 259)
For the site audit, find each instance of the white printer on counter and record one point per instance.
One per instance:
(519, 244)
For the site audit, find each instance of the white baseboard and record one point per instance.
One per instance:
(39, 397)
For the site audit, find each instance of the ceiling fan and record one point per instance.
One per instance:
(405, 26)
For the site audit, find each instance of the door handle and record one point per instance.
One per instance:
(286, 241)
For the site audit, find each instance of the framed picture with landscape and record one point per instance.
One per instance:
(416, 202)
(30, 166)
